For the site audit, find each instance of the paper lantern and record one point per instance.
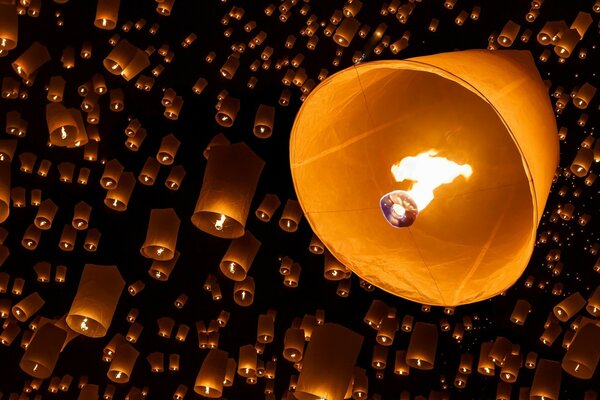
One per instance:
(247, 361)
(126, 60)
(293, 344)
(107, 14)
(89, 392)
(263, 122)
(583, 355)
(335, 348)
(485, 248)
(570, 306)
(4, 190)
(161, 236)
(267, 207)
(96, 300)
(546, 381)
(9, 27)
(230, 179)
(161, 270)
(291, 216)
(27, 307)
(209, 382)
(122, 363)
(30, 60)
(239, 256)
(43, 351)
(422, 346)
(118, 198)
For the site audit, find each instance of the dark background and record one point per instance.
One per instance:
(124, 233)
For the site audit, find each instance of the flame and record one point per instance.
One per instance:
(219, 223)
(427, 172)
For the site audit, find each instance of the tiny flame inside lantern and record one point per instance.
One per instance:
(219, 223)
(400, 208)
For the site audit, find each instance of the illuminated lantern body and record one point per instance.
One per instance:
(476, 234)
(332, 348)
(96, 300)
(4, 190)
(9, 24)
(43, 351)
(161, 237)
(239, 256)
(229, 183)
(107, 13)
(209, 382)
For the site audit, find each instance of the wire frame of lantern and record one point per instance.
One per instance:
(43, 351)
(239, 256)
(96, 300)
(118, 198)
(122, 363)
(229, 183)
(263, 122)
(243, 292)
(27, 307)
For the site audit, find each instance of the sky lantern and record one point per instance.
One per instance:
(391, 169)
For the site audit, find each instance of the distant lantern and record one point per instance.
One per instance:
(267, 207)
(122, 363)
(27, 307)
(227, 112)
(43, 351)
(126, 60)
(230, 179)
(263, 122)
(570, 306)
(107, 14)
(96, 300)
(161, 270)
(381, 211)
(161, 237)
(333, 347)
(239, 256)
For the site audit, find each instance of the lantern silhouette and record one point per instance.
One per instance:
(229, 183)
(239, 256)
(161, 237)
(96, 300)
(570, 306)
(267, 207)
(30, 60)
(485, 248)
(118, 198)
(43, 351)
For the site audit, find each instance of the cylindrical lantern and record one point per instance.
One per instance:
(243, 292)
(30, 60)
(373, 221)
(520, 312)
(122, 363)
(334, 270)
(422, 346)
(570, 306)
(266, 328)
(43, 351)
(546, 381)
(247, 361)
(583, 354)
(25, 308)
(118, 198)
(326, 350)
(96, 300)
(345, 31)
(485, 365)
(291, 216)
(239, 256)
(228, 110)
(293, 344)
(149, 171)
(209, 382)
(161, 237)
(107, 14)
(161, 270)
(168, 148)
(267, 207)
(263, 122)
(230, 179)
(81, 215)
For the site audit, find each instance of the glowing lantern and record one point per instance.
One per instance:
(107, 14)
(4, 190)
(333, 347)
(209, 382)
(122, 363)
(28, 63)
(161, 237)
(429, 171)
(239, 256)
(546, 381)
(229, 183)
(43, 351)
(96, 300)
